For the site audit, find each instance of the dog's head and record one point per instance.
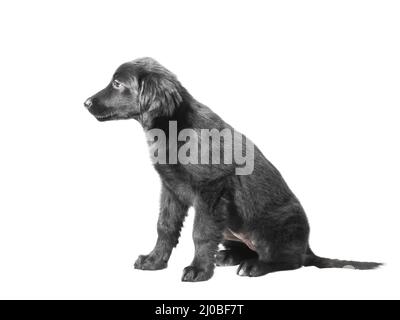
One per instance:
(141, 90)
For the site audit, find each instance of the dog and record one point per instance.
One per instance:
(256, 217)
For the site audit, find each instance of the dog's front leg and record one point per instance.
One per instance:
(170, 220)
(207, 234)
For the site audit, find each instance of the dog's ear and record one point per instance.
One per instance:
(159, 96)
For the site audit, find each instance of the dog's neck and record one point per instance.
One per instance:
(182, 114)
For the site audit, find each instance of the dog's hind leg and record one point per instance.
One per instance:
(170, 220)
(257, 267)
(280, 247)
(234, 253)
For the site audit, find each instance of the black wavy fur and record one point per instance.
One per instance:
(258, 207)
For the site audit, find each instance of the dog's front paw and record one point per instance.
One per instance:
(194, 274)
(149, 262)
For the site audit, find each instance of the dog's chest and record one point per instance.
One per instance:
(156, 142)
(161, 150)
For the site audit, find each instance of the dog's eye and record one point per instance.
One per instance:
(116, 84)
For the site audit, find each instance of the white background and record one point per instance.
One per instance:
(314, 83)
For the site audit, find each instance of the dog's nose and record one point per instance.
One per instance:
(88, 103)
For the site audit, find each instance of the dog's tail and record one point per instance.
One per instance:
(312, 260)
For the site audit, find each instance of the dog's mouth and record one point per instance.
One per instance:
(112, 115)
(104, 117)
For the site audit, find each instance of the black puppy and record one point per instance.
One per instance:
(257, 218)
